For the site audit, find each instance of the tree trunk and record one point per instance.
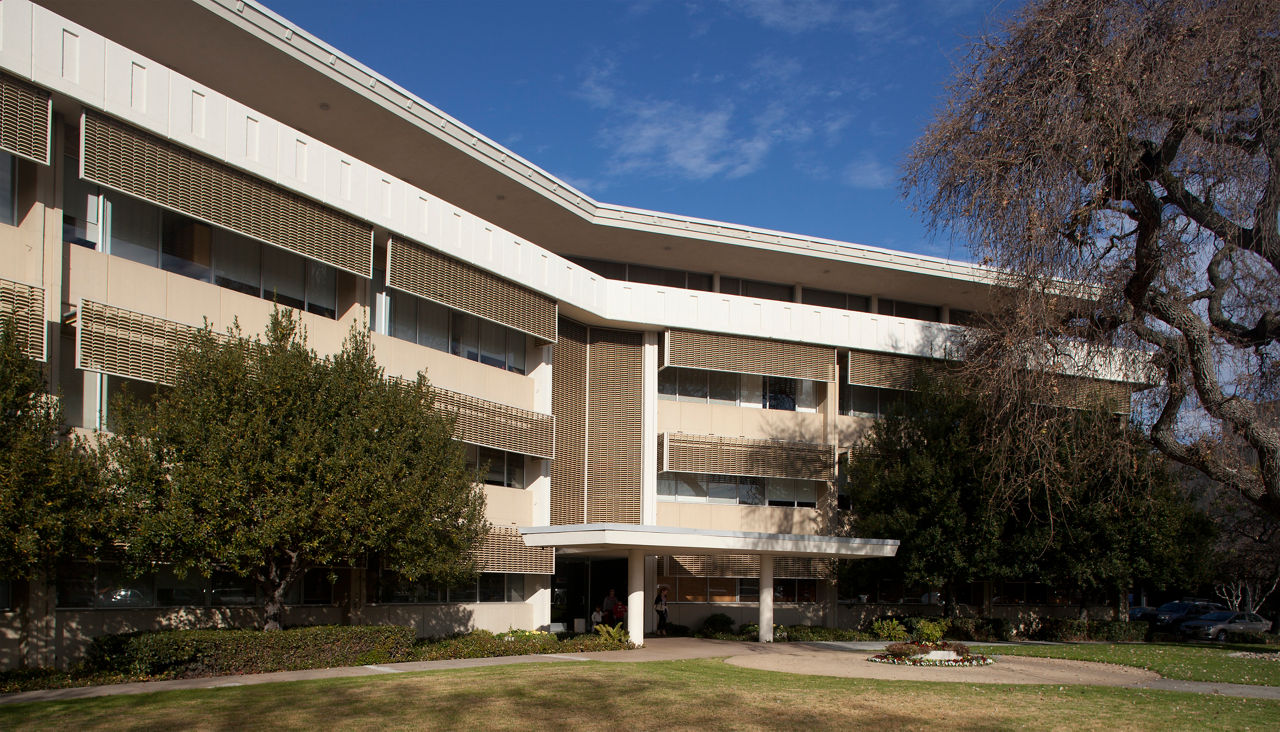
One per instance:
(1122, 605)
(275, 581)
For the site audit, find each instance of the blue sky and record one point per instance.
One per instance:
(784, 114)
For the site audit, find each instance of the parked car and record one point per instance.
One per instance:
(1139, 612)
(1171, 615)
(1216, 625)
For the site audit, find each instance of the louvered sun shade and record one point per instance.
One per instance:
(896, 371)
(26, 115)
(124, 343)
(746, 566)
(24, 305)
(569, 404)
(740, 456)
(496, 425)
(747, 355)
(504, 550)
(127, 159)
(422, 271)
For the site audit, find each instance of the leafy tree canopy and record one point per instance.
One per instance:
(1120, 160)
(265, 459)
(51, 504)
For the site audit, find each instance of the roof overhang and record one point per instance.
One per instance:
(614, 538)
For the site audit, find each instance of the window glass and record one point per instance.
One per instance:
(316, 587)
(806, 590)
(284, 278)
(515, 588)
(465, 592)
(748, 590)
(227, 588)
(404, 321)
(691, 589)
(781, 492)
(322, 289)
(861, 303)
(884, 306)
(667, 483)
(187, 247)
(784, 590)
(610, 270)
(465, 336)
(515, 470)
(135, 230)
(824, 298)
(656, 275)
(963, 317)
(496, 462)
(691, 488)
(780, 393)
(722, 589)
(806, 396)
(752, 394)
(172, 591)
(698, 281)
(237, 262)
(667, 379)
(115, 588)
(806, 494)
(75, 585)
(493, 588)
(731, 285)
(693, 385)
(8, 206)
(433, 324)
(493, 344)
(917, 311)
(859, 401)
(724, 387)
(751, 491)
(768, 290)
(722, 489)
(516, 345)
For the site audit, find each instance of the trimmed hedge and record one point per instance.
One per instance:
(716, 624)
(483, 644)
(183, 653)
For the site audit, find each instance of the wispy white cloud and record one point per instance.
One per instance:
(869, 173)
(800, 16)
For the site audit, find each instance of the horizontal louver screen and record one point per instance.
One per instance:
(615, 399)
(121, 342)
(504, 550)
(746, 355)
(422, 271)
(888, 370)
(24, 305)
(25, 119)
(740, 456)
(745, 566)
(496, 425)
(122, 157)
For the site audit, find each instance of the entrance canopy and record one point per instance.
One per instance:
(616, 538)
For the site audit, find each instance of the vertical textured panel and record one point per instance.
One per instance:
(741, 456)
(569, 405)
(24, 119)
(504, 550)
(24, 304)
(746, 355)
(424, 272)
(615, 408)
(122, 157)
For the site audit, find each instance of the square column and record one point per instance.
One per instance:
(635, 596)
(766, 598)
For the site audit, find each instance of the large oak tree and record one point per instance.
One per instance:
(1120, 161)
(268, 460)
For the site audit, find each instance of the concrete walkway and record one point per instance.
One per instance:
(820, 659)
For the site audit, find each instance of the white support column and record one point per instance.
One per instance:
(635, 596)
(766, 598)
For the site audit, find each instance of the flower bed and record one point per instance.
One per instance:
(920, 653)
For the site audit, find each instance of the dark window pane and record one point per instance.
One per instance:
(784, 590)
(237, 262)
(465, 592)
(861, 303)
(284, 278)
(493, 344)
(748, 590)
(731, 285)
(75, 585)
(698, 281)
(187, 247)
(667, 379)
(768, 290)
(884, 306)
(465, 336)
(780, 393)
(656, 275)
(230, 589)
(693, 385)
(611, 270)
(322, 290)
(824, 298)
(515, 588)
(724, 387)
(493, 588)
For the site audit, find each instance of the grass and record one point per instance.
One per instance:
(1183, 661)
(672, 695)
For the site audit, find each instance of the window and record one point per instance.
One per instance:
(8, 190)
(648, 275)
(743, 390)
(869, 401)
(387, 586)
(504, 468)
(742, 490)
(440, 328)
(756, 288)
(831, 299)
(81, 206)
(913, 310)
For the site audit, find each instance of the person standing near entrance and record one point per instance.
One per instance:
(660, 607)
(610, 603)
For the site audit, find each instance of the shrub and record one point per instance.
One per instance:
(751, 631)
(889, 629)
(818, 633)
(1118, 631)
(1062, 629)
(929, 631)
(178, 653)
(901, 650)
(483, 644)
(717, 624)
(613, 633)
(678, 631)
(960, 649)
(1265, 639)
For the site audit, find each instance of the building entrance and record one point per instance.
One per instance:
(581, 584)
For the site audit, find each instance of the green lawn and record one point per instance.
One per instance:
(701, 694)
(1172, 661)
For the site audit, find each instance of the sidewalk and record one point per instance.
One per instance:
(819, 658)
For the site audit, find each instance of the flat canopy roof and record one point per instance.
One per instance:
(613, 538)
